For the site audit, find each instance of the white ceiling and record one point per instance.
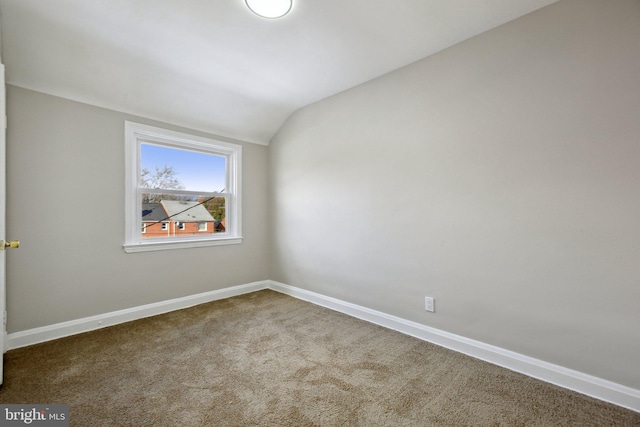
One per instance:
(214, 66)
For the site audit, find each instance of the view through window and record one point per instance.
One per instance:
(180, 212)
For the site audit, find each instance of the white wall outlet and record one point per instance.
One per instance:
(429, 304)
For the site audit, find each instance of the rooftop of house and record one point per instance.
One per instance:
(184, 211)
(153, 212)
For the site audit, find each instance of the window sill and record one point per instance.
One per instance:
(182, 244)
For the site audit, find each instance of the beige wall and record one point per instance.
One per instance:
(65, 203)
(501, 176)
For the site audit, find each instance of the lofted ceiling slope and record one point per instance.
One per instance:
(214, 66)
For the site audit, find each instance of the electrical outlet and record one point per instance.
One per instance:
(429, 304)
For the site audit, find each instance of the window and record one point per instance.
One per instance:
(178, 184)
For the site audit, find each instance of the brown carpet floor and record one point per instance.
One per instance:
(266, 359)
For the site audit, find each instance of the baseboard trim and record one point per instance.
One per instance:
(567, 378)
(72, 327)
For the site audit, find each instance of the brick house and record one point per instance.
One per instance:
(154, 221)
(188, 218)
(177, 218)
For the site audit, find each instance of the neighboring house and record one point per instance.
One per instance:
(188, 218)
(155, 222)
(178, 218)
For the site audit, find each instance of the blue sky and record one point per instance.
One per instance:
(196, 171)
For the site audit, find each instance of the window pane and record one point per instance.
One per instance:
(166, 173)
(176, 169)
(171, 215)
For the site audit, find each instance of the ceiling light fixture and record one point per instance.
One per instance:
(270, 8)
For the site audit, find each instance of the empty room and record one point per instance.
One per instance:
(320, 213)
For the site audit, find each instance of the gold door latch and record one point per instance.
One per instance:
(12, 244)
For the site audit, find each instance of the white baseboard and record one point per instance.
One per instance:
(72, 327)
(577, 381)
(567, 378)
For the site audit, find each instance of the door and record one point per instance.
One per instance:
(3, 174)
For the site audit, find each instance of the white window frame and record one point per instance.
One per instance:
(137, 134)
(204, 229)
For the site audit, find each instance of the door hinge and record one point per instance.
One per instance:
(4, 320)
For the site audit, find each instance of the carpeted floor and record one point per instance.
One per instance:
(266, 359)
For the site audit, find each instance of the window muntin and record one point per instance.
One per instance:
(175, 182)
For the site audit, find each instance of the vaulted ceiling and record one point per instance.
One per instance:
(214, 66)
